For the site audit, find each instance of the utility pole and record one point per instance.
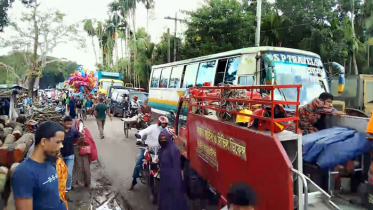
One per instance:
(175, 19)
(168, 48)
(258, 21)
(175, 37)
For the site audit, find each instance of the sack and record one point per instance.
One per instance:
(84, 150)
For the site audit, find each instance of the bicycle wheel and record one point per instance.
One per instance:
(126, 128)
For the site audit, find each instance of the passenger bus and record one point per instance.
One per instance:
(239, 67)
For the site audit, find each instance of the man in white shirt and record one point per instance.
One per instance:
(152, 133)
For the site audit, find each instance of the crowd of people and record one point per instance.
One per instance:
(59, 161)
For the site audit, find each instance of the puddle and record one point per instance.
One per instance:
(100, 196)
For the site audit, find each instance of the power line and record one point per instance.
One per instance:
(287, 27)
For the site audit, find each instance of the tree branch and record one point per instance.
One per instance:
(9, 68)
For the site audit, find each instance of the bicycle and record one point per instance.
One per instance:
(84, 114)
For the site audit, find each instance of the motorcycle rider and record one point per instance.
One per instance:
(152, 133)
(134, 105)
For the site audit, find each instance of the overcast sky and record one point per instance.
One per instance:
(78, 10)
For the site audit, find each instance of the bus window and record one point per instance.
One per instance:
(190, 75)
(205, 73)
(246, 80)
(220, 71)
(175, 79)
(231, 71)
(155, 78)
(164, 77)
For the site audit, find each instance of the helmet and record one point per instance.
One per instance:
(32, 125)
(263, 125)
(162, 119)
(135, 97)
(243, 118)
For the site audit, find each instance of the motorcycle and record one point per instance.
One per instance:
(144, 120)
(150, 172)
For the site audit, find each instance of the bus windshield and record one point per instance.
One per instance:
(298, 69)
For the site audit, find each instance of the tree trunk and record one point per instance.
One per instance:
(18, 132)
(134, 41)
(9, 140)
(129, 52)
(356, 71)
(3, 178)
(94, 49)
(35, 65)
(147, 20)
(116, 51)
(121, 47)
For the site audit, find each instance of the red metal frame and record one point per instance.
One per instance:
(271, 102)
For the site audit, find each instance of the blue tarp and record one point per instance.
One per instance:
(331, 147)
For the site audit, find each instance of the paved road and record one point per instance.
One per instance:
(117, 155)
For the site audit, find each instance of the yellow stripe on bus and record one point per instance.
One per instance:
(163, 101)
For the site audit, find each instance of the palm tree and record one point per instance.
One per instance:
(100, 35)
(116, 21)
(89, 28)
(275, 29)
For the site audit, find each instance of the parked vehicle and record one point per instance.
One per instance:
(118, 102)
(357, 99)
(106, 79)
(218, 151)
(121, 107)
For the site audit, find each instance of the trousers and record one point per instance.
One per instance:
(136, 170)
(69, 161)
(101, 125)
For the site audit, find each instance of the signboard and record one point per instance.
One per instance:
(292, 58)
(110, 74)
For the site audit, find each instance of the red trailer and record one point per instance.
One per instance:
(223, 152)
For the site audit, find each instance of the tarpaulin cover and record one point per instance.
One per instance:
(341, 152)
(334, 146)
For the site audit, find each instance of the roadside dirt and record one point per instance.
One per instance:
(100, 196)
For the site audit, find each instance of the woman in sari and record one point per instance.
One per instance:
(82, 170)
(71, 107)
(171, 188)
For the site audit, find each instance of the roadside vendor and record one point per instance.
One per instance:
(310, 114)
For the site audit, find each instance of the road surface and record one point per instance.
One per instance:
(117, 155)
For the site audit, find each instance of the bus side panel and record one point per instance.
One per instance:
(224, 153)
(164, 99)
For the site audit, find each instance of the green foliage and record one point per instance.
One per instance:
(52, 74)
(219, 26)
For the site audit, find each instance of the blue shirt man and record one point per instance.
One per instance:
(35, 181)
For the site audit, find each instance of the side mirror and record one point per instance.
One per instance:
(171, 117)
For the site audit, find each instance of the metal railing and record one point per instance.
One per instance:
(204, 96)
